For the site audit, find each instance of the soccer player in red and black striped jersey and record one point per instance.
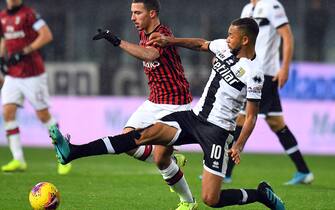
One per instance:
(23, 33)
(169, 91)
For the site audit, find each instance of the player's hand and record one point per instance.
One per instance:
(281, 77)
(158, 40)
(107, 34)
(15, 58)
(3, 66)
(234, 153)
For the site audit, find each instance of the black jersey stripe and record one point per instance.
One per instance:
(210, 97)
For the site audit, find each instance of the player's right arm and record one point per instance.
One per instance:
(190, 43)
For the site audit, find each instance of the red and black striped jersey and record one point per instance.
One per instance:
(19, 29)
(166, 77)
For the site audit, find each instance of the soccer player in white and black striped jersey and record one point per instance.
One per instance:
(274, 26)
(235, 77)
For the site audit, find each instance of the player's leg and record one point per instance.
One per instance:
(11, 98)
(290, 144)
(35, 89)
(143, 153)
(145, 115)
(215, 164)
(172, 174)
(48, 121)
(158, 133)
(13, 136)
(274, 118)
(213, 196)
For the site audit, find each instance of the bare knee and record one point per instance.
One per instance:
(276, 123)
(210, 200)
(9, 112)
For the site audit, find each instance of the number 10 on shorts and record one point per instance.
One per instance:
(216, 151)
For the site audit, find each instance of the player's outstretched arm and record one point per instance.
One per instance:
(160, 40)
(248, 126)
(140, 52)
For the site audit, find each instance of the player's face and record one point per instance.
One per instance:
(140, 16)
(234, 38)
(13, 3)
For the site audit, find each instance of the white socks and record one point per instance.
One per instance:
(13, 136)
(145, 153)
(175, 178)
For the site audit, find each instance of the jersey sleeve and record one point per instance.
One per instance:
(35, 20)
(218, 45)
(277, 15)
(255, 82)
(246, 11)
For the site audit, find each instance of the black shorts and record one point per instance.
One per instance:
(270, 104)
(213, 139)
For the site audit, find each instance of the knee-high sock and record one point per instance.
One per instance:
(175, 178)
(144, 153)
(231, 163)
(112, 145)
(13, 136)
(236, 197)
(290, 145)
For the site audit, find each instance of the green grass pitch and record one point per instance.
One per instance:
(123, 183)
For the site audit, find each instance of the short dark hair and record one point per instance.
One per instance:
(150, 4)
(248, 26)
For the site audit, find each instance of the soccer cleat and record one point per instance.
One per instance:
(227, 180)
(180, 160)
(64, 169)
(268, 197)
(187, 206)
(301, 178)
(14, 166)
(61, 144)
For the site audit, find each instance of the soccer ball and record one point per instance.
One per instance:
(44, 196)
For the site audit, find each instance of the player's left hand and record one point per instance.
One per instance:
(234, 153)
(281, 77)
(15, 58)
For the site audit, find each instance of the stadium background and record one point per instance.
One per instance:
(92, 81)
(95, 87)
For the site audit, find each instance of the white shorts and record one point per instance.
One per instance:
(35, 89)
(149, 112)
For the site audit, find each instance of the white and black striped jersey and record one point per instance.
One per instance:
(231, 82)
(270, 15)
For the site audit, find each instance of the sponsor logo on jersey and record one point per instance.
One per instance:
(224, 69)
(14, 35)
(152, 64)
(256, 89)
(17, 20)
